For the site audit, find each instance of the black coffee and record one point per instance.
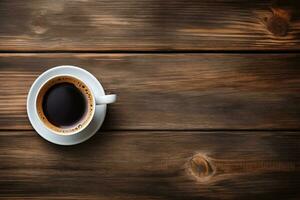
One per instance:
(64, 104)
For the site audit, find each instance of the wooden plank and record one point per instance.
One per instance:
(152, 165)
(175, 92)
(149, 25)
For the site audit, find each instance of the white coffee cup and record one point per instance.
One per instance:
(89, 124)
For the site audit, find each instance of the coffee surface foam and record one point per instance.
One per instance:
(67, 130)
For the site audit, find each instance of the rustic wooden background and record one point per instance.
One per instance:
(208, 108)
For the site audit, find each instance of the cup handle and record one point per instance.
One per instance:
(106, 99)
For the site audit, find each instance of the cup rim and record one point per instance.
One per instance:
(89, 119)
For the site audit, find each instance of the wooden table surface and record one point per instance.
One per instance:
(208, 107)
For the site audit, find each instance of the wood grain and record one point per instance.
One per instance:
(149, 25)
(151, 165)
(175, 91)
(185, 126)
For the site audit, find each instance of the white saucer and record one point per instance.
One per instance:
(85, 134)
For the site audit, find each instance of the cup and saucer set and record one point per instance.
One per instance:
(66, 105)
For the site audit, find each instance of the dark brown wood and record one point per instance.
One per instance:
(151, 165)
(175, 92)
(149, 25)
(185, 126)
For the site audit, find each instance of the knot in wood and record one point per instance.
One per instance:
(39, 23)
(277, 25)
(200, 167)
